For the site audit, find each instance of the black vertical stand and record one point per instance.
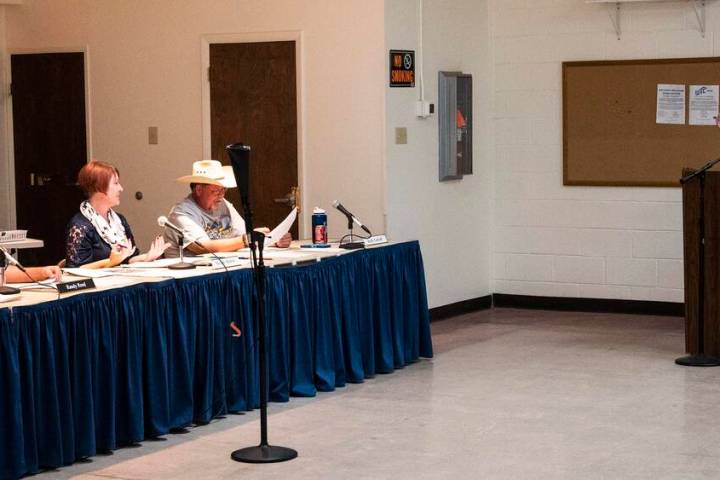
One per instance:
(5, 290)
(351, 244)
(263, 453)
(182, 264)
(700, 359)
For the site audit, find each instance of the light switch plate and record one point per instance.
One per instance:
(400, 135)
(153, 135)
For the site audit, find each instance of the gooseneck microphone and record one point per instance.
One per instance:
(6, 258)
(9, 259)
(351, 218)
(164, 222)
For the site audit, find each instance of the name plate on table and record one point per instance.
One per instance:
(227, 262)
(375, 240)
(76, 285)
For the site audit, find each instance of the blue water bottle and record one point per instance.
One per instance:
(319, 226)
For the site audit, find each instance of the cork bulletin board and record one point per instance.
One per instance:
(610, 137)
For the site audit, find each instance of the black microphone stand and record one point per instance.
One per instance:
(5, 290)
(263, 453)
(700, 359)
(351, 244)
(182, 264)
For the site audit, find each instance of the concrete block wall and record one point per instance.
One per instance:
(552, 240)
(452, 220)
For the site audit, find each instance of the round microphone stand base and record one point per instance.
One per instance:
(348, 241)
(9, 291)
(182, 266)
(264, 454)
(698, 361)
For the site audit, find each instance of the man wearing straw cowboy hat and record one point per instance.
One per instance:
(205, 216)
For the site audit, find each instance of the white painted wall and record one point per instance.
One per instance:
(623, 243)
(452, 220)
(145, 69)
(6, 218)
(509, 228)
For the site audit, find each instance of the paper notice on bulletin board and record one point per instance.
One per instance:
(670, 104)
(703, 104)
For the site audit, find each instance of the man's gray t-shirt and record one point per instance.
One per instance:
(200, 224)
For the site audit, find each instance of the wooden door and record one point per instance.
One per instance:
(253, 101)
(48, 104)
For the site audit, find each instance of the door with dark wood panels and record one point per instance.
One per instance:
(48, 108)
(253, 101)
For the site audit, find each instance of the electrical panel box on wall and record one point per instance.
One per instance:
(455, 125)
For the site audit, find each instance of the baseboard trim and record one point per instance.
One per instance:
(598, 305)
(466, 306)
(530, 302)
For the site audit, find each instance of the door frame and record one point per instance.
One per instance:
(257, 37)
(9, 153)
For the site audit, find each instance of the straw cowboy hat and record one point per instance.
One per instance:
(210, 172)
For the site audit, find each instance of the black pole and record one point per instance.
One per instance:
(700, 359)
(182, 264)
(264, 452)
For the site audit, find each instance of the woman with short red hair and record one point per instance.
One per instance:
(97, 236)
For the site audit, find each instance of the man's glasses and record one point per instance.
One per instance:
(216, 190)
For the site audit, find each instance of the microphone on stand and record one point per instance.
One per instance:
(351, 218)
(164, 222)
(181, 265)
(5, 258)
(264, 453)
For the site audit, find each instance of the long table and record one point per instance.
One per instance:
(100, 370)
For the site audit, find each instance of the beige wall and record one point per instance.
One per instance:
(144, 59)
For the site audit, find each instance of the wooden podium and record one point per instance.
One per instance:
(701, 218)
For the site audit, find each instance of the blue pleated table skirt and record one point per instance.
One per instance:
(97, 371)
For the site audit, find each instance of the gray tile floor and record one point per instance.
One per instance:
(510, 394)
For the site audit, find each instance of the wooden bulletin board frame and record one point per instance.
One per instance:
(610, 137)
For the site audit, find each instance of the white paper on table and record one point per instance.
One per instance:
(282, 228)
(242, 254)
(9, 297)
(159, 263)
(277, 252)
(87, 272)
(44, 285)
(703, 104)
(670, 104)
(159, 272)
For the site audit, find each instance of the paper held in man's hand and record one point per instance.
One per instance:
(283, 228)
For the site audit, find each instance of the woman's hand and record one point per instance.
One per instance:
(39, 274)
(118, 254)
(157, 248)
(52, 271)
